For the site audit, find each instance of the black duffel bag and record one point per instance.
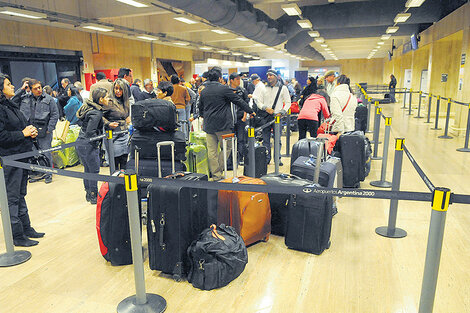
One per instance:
(154, 113)
(147, 142)
(217, 257)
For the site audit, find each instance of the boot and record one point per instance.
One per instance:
(32, 233)
(88, 198)
(93, 197)
(23, 241)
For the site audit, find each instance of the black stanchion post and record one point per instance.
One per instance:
(378, 112)
(288, 134)
(391, 231)
(251, 151)
(11, 257)
(467, 134)
(141, 301)
(404, 99)
(428, 121)
(382, 182)
(438, 103)
(440, 205)
(277, 142)
(411, 99)
(110, 147)
(419, 105)
(446, 128)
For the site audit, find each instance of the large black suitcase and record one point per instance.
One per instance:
(176, 216)
(147, 142)
(360, 118)
(309, 222)
(261, 166)
(279, 202)
(352, 147)
(304, 147)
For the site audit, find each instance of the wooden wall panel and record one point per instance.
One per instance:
(358, 70)
(420, 63)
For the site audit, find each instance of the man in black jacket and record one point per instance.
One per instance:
(240, 122)
(41, 111)
(216, 109)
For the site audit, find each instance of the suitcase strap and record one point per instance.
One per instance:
(162, 227)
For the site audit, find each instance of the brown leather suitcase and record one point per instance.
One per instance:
(248, 212)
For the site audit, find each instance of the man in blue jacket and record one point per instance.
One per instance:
(41, 110)
(215, 107)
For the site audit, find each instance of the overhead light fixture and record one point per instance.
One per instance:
(256, 57)
(392, 29)
(374, 50)
(304, 23)
(147, 37)
(133, 3)
(242, 39)
(223, 51)
(205, 48)
(185, 20)
(258, 45)
(271, 48)
(22, 13)
(380, 43)
(247, 56)
(327, 49)
(401, 17)
(385, 37)
(413, 3)
(181, 43)
(236, 53)
(97, 27)
(314, 33)
(228, 63)
(331, 1)
(292, 9)
(219, 31)
(324, 45)
(320, 39)
(378, 47)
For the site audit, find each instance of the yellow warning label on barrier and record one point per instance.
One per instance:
(289, 112)
(441, 199)
(130, 182)
(399, 144)
(388, 121)
(420, 92)
(277, 119)
(376, 103)
(110, 134)
(251, 132)
(379, 110)
(449, 100)
(438, 97)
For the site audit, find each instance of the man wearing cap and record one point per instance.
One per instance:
(275, 99)
(239, 117)
(330, 82)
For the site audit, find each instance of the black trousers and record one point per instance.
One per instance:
(307, 125)
(241, 140)
(16, 180)
(90, 157)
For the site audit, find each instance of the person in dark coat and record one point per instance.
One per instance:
(216, 109)
(311, 88)
(391, 86)
(240, 118)
(148, 92)
(91, 116)
(16, 137)
(63, 97)
(135, 89)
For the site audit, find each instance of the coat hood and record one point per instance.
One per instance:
(87, 107)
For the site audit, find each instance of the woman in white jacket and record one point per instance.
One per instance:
(342, 106)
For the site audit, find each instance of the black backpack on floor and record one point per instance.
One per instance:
(217, 257)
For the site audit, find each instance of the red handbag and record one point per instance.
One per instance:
(330, 143)
(325, 127)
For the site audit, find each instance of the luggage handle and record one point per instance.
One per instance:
(215, 234)
(162, 227)
(137, 157)
(316, 176)
(232, 137)
(159, 145)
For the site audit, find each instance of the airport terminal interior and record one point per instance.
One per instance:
(422, 43)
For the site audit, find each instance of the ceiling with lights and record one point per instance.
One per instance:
(247, 29)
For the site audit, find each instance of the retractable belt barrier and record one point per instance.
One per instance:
(418, 169)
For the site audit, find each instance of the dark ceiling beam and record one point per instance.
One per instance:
(363, 32)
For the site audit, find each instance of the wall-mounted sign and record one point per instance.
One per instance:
(444, 78)
(407, 47)
(462, 59)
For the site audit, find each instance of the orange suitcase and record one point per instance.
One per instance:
(248, 212)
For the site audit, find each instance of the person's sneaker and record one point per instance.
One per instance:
(32, 233)
(87, 196)
(48, 180)
(24, 242)
(93, 197)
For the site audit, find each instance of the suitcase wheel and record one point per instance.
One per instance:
(265, 239)
(177, 277)
(329, 244)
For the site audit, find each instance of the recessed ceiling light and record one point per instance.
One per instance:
(181, 43)
(304, 23)
(374, 50)
(320, 39)
(401, 17)
(219, 31)
(385, 37)
(324, 45)
(242, 39)
(185, 20)
(291, 9)
(380, 43)
(223, 51)
(327, 49)
(314, 33)
(237, 53)
(247, 56)
(136, 4)
(22, 13)
(97, 27)
(271, 48)
(392, 29)
(147, 37)
(413, 3)
(258, 45)
(256, 57)
(205, 48)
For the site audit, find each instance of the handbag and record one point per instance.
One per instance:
(325, 127)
